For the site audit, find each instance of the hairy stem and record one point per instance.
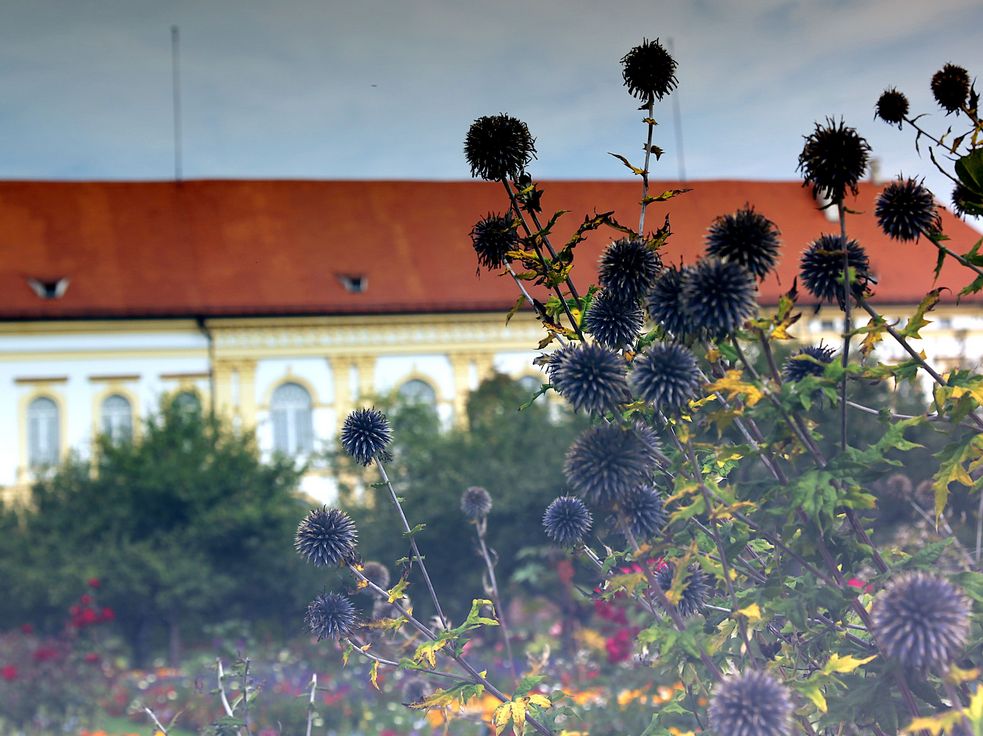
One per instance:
(650, 123)
(499, 608)
(416, 550)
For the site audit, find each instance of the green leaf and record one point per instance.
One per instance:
(969, 169)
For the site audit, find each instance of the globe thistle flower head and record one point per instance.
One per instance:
(906, 209)
(892, 107)
(833, 159)
(476, 502)
(821, 268)
(665, 303)
(696, 588)
(649, 71)
(718, 296)
(628, 268)
(590, 377)
(966, 202)
(745, 237)
(377, 573)
(365, 435)
(492, 238)
(921, 621)
(751, 703)
(607, 463)
(567, 521)
(330, 616)
(326, 537)
(666, 376)
(613, 322)
(950, 87)
(499, 147)
(809, 361)
(644, 512)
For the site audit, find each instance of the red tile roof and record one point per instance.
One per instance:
(213, 248)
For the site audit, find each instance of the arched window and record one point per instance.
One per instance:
(188, 401)
(43, 432)
(416, 391)
(293, 428)
(117, 418)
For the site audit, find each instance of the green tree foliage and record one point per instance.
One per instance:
(184, 526)
(516, 455)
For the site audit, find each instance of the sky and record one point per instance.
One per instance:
(372, 89)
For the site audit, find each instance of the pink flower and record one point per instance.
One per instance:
(8, 672)
(858, 583)
(93, 582)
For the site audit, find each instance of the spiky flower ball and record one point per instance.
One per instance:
(377, 573)
(567, 520)
(745, 237)
(809, 361)
(892, 107)
(326, 537)
(718, 296)
(492, 237)
(649, 71)
(666, 376)
(628, 268)
(590, 377)
(644, 511)
(607, 463)
(950, 87)
(665, 303)
(330, 616)
(821, 268)
(365, 435)
(696, 588)
(751, 703)
(833, 159)
(613, 322)
(476, 502)
(921, 621)
(499, 147)
(906, 209)
(966, 202)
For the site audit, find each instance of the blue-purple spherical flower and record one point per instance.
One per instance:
(649, 71)
(809, 361)
(628, 268)
(821, 268)
(366, 435)
(751, 703)
(666, 376)
(499, 147)
(476, 502)
(331, 616)
(696, 588)
(718, 296)
(833, 159)
(906, 209)
(665, 303)
(591, 377)
(746, 237)
(326, 537)
(614, 322)
(644, 512)
(493, 237)
(567, 520)
(608, 462)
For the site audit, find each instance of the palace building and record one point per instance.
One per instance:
(284, 304)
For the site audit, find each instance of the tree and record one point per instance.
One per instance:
(185, 525)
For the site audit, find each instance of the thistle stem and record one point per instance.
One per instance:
(476, 676)
(157, 723)
(499, 608)
(934, 238)
(310, 704)
(847, 324)
(362, 649)
(413, 546)
(650, 122)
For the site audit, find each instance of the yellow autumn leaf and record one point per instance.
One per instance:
(845, 664)
(374, 675)
(958, 675)
(943, 723)
(815, 694)
(975, 709)
(501, 717)
(732, 385)
(519, 716)
(751, 613)
(541, 700)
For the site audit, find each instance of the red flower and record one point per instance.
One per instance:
(91, 658)
(27, 629)
(45, 654)
(89, 616)
(8, 672)
(85, 599)
(93, 582)
(858, 583)
(619, 646)
(108, 614)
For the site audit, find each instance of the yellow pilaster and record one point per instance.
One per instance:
(235, 390)
(341, 375)
(366, 376)
(223, 372)
(461, 366)
(247, 392)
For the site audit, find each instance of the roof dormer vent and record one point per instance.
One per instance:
(48, 288)
(354, 283)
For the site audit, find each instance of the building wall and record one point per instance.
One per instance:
(340, 361)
